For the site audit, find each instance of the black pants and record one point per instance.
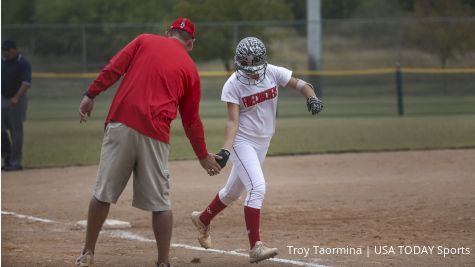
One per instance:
(12, 131)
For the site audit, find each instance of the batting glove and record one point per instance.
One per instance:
(314, 105)
(224, 154)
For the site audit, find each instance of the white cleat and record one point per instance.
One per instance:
(203, 237)
(86, 259)
(261, 252)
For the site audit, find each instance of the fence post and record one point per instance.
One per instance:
(399, 92)
(314, 42)
(83, 48)
(235, 33)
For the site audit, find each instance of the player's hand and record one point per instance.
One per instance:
(314, 105)
(85, 108)
(210, 164)
(224, 154)
(13, 101)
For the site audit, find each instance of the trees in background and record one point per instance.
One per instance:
(216, 36)
(219, 39)
(217, 42)
(85, 11)
(72, 16)
(18, 11)
(445, 39)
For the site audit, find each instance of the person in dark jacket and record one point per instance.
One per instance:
(16, 80)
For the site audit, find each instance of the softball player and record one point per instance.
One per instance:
(251, 96)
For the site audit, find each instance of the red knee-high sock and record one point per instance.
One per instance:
(252, 217)
(215, 207)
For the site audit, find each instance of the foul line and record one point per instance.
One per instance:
(130, 236)
(134, 237)
(31, 218)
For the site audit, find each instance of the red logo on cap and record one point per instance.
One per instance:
(184, 24)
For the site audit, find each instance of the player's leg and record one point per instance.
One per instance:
(233, 188)
(6, 148)
(115, 167)
(248, 160)
(6, 143)
(162, 222)
(96, 216)
(151, 191)
(229, 193)
(16, 116)
(248, 166)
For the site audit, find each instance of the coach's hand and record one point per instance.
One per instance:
(85, 108)
(210, 165)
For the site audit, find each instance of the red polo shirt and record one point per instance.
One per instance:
(159, 76)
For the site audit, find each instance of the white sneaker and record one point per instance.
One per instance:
(203, 237)
(261, 252)
(86, 259)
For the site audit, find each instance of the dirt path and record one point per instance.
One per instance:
(343, 203)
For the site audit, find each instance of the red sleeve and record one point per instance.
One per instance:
(117, 67)
(190, 117)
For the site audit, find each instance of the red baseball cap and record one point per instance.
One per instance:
(184, 24)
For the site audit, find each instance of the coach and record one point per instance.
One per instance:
(16, 80)
(159, 78)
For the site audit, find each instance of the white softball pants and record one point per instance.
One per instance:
(246, 174)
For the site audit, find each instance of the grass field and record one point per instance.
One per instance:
(63, 143)
(359, 115)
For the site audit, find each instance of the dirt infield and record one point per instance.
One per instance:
(343, 203)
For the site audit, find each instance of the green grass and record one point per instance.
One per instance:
(359, 115)
(63, 143)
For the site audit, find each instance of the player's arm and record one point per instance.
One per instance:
(304, 88)
(191, 121)
(232, 124)
(314, 104)
(118, 66)
(25, 74)
(16, 98)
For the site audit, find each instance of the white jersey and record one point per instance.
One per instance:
(257, 103)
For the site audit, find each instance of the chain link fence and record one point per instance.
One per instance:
(358, 75)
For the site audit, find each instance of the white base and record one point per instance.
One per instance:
(108, 224)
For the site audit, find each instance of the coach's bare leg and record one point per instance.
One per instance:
(97, 214)
(162, 222)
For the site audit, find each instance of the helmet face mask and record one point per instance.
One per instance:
(250, 61)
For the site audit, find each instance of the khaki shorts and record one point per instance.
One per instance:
(126, 151)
